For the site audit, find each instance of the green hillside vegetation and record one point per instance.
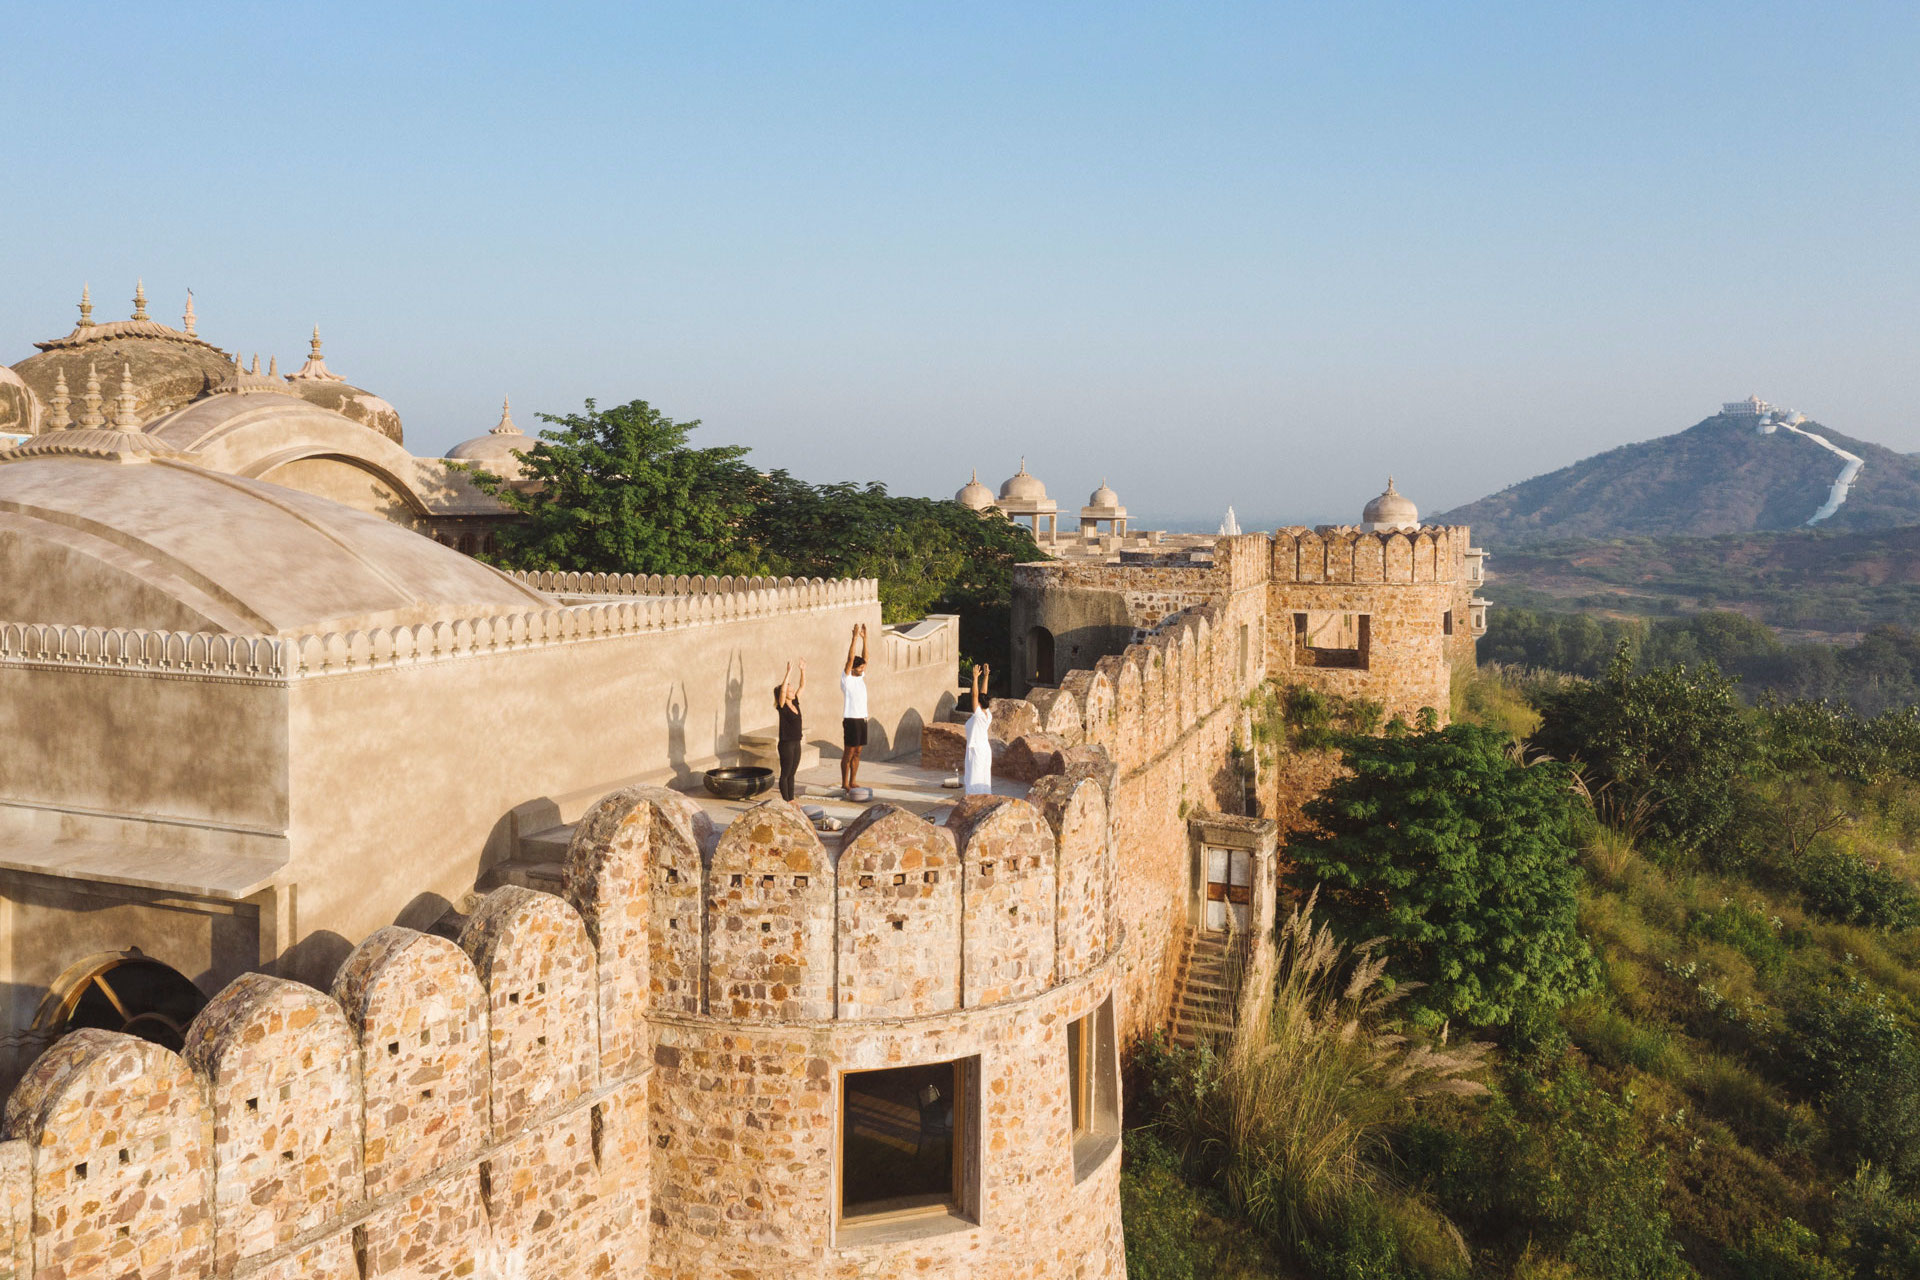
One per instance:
(1689, 1046)
(1812, 581)
(1880, 672)
(1720, 476)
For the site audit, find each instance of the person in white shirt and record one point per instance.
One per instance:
(853, 709)
(976, 772)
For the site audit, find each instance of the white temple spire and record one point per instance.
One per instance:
(140, 300)
(187, 317)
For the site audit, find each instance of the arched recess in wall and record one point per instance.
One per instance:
(1040, 656)
(121, 991)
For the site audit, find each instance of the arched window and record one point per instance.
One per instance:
(1040, 656)
(121, 991)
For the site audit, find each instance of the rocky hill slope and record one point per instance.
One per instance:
(1728, 474)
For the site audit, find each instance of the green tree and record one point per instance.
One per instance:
(1666, 749)
(1462, 858)
(619, 491)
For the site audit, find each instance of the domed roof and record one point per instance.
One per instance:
(973, 495)
(317, 384)
(169, 367)
(20, 413)
(1023, 487)
(172, 546)
(1391, 510)
(1103, 497)
(499, 451)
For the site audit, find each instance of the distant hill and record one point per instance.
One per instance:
(1724, 475)
(1807, 582)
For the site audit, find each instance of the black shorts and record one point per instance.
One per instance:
(853, 733)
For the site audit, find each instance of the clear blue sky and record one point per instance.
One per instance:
(1247, 254)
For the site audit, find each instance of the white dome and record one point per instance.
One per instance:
(499, 451)
(1391, 510)
(973, 495)
(1103, 497)
(1023, 487)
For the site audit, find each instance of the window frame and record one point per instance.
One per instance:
(907, 1216)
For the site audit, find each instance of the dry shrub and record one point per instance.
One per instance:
(1311, 1083)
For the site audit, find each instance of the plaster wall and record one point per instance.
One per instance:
(434, 755)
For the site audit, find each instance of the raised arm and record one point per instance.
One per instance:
(800, 687)
(786, 687)
(853, 648)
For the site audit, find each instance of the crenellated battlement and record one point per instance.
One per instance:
(1349, 554)
(486, 1100)
(760, 922)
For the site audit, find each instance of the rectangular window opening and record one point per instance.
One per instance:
(908, 1142)
(1332, 639)
(1446, 623)
(1093, 1089)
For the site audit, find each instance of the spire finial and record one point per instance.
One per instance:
(506, 426)
(975, 477)
(1023, 464)
(273, 365)
(126, 409)
(256, 362)
(139, 299)
(86, 306)
(60, 419)
(313, 347)
(187, 318)
(91, 400)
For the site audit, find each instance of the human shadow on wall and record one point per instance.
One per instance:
(726, 730)
(677, 733)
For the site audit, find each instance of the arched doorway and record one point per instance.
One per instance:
(121, 991)
(1040, 656)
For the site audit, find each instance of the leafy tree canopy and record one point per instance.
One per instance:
(1462, 858)
(1662, 751)
(622, 491)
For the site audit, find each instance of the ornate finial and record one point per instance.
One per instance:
(1390, 488)
(60, 419)
(315, 369)
(273, 365)
(975, 477)
(90, 401)
(256, 362)
(126, 410)
(86, 306)
(506, 427)
(186, 318)
(139, 299)
(1023, 464)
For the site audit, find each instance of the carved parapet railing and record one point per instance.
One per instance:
(656, 584)
(187, 653)
(931, 640)
(217, 655)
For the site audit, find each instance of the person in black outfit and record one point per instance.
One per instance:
(786, 701)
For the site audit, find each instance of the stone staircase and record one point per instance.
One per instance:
(1203, 989)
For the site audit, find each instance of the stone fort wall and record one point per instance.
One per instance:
(636, 1079)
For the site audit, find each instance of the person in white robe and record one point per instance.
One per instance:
(976, 774)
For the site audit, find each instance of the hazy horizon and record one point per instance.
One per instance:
(1256, 256)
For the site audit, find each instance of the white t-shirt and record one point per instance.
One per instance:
(853, 693)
